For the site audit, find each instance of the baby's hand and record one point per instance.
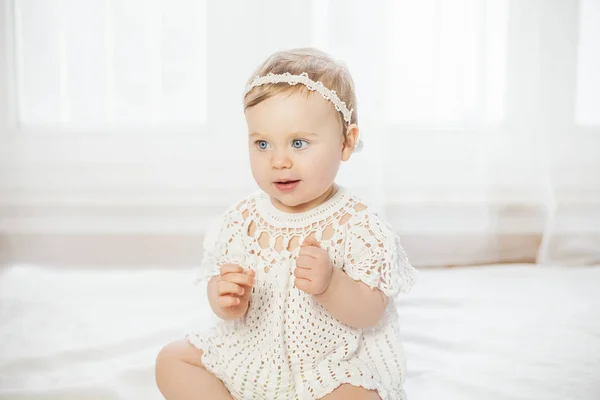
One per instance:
(234, 286)
(313, 268)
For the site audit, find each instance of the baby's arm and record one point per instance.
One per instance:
(352, 302)
(229, 292)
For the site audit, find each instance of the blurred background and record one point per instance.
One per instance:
(122, 132)
(122, 136)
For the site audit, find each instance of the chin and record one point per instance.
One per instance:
(289, 201)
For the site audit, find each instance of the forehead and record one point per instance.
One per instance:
(292, 111)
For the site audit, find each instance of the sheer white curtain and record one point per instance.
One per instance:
(479, 117)
(486, 120)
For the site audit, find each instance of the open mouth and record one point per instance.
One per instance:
(286, 185)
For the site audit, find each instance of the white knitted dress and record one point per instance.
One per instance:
(288, 346)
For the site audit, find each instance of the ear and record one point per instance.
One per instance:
(351, 141)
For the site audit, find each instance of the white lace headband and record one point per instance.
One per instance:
(303, 78)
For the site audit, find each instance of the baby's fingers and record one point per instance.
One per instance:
(239, 279)
(230, 268)
(224, 288)
(228, 301)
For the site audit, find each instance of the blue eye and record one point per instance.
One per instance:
(299, 144)
(262, 144)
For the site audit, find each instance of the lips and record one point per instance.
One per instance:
(286, 185)
(286, 180)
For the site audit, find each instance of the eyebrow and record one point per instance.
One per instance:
(298, 133)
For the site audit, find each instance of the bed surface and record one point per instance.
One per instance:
(494, 332)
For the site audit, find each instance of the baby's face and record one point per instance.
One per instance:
(296, 146)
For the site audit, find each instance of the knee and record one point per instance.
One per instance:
(171, 357)
(163, 359)
(178, 351)
(168, 352)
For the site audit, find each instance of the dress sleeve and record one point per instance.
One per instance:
(223, 244)
(373, 255)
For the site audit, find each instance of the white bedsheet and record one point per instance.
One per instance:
(493, 333)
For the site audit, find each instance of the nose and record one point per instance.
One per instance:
(281, 160)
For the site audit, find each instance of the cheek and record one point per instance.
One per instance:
(257, 164)
(323, 164)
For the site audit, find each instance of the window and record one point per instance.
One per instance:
(104, 63)
(587, 102)
(447, 61)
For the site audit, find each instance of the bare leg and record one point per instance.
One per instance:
(180, 374)
(349, 392)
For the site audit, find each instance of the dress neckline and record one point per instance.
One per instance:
(281, 218)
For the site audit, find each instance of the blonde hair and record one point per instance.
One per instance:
(318, 65)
